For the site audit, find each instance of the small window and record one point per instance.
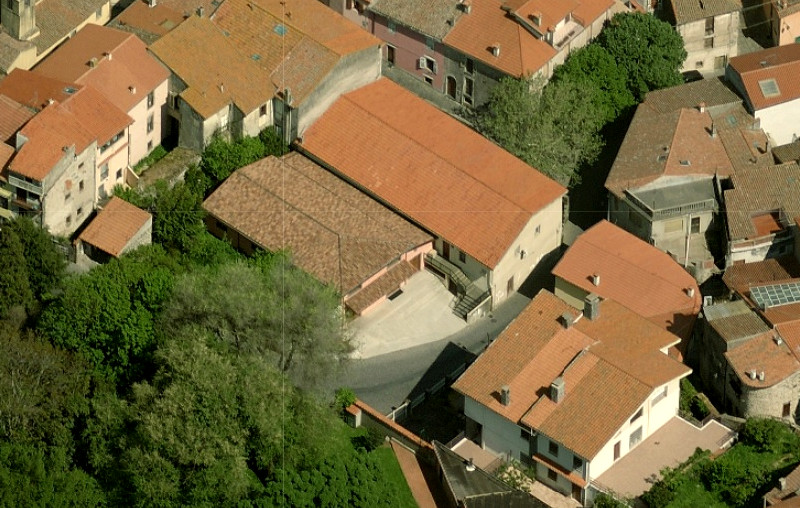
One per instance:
(69, 220)
(80, 166)
(710, 26)
(538, 229)
(98, 13)
(787, 410)
(462, 257)
(67, 196)
(262, 111)
(468, 87)
(430, 43)
(429, 80)
(708, 43)
(698, 64)
(150, 145)
(392, 27)
(552, 475)
(151, 99)
(769, 87)
(150, 123)
(80, 211)
(119, 174)
(470, 66)
(524, 434)
(577, 463)
(553, 448)
(429, 64)
(80, 185)
(638, 415)
(661, 396)
(635, 438)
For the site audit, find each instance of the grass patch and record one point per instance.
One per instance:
(156, 155)
(394, 475)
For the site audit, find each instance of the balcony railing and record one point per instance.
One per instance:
(19, 183)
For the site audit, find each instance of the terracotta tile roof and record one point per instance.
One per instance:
(788, 492)
(713, 92)
(129, 65)
(788, 152)
(734, 321)
(335, 232)
(215, 72)
(297, 42)
(764, 354)
(746, 144)
(434, 18)
(521, 54)
(83, 118)
(190, 7)
(550, 14)
(115, 225)
(147, 23)
(410, 152)
(56, 19)
(610, 365)
(633, 273)
(782, 64)
(759, 191)
(6, 152)
(659, 145)
(34, 90)
(687, 11)
(740, 277)
(387, 284)
(13, 116)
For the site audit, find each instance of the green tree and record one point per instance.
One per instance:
(649, 50)
(45, 263)
(43, 391)
(15, 289)
(266, 307)
(594, 67)
(553, 128)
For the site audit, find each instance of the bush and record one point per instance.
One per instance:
(345, 397)
(770, 436)
(373, 438)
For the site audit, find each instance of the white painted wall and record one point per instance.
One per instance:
(499, 435)
(780, 121)
(60, 205)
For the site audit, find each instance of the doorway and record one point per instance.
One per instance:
(451, 87)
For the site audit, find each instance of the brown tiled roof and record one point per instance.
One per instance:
(780, 63)
(788, 152)
(550, 13)
(713, 92)
(6, 152)
(687, 11)
(434, 18)
(610, 366)
(125, 77)
(335, 232)
(115, 225)
(433, 169)
(790, 491)
(296, 42)
(740, 277)
(147, 23)
(34, 90)
(633, 273)
(215, 72)
(56, 19)
(746, 144)
(656, 145)
(190, 7)
(487, 24)
(384, 286)
(740, 322)
(758, 191)
(13, 116)
(764, 354)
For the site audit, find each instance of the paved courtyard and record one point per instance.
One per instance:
(672, 444)
(421, 314)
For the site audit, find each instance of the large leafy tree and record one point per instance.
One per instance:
(594, 67)
(553, 128)
(15, 288)
(45, 263)
(649, 50)
(266, 307)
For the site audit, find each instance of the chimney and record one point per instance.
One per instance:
(132, 90)
(591, 306)
(496, 49)
(93, 62)
(782, 483)
(761, 376)
(107, 55)
(470, 465)
(596, 279)
(536, 17)
(689, 292)
(151, 3)
(701, 107)
(751, 373)
(567, 319)
(557, 388)
(713, 130)
(200, 11)
(505, 395)
(778, 340)
(466, 6)
(222, 87)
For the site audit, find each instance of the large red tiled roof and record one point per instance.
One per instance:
(334, 231)
(433, 169)
(115, 226)
(148, 23)
(633, 273)
(214, 70)
(13, 116)
(740, 277)
(35, 90)
(781, 63)
(122, 69)
(610, 366)
(775, 353)
(487, 24)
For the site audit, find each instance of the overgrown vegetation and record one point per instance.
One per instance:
(154, 156)
(737, 478)
(690, 405)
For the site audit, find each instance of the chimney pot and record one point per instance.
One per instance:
(690, 292)
(591, 306)
(596, 279)
(701, 107)
(496, 49)
(761, 376)
(505, 395)
(557, 389)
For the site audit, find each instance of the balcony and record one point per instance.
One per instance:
(35, 188)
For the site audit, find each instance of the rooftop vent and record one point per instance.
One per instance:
(751, 373)
(596, 279)
(466, 6)
(132, 89)
(505, 395)
(686, 162)
(107, 54)
(591, 306)
(470, 465)
(557, 389)
(689, 292)
(200, 11)
(567, 319)
(782, 483)
(778, 340)
(761, 376)
(93, 62)
(702, 106)
(280, 29)
(496, 49)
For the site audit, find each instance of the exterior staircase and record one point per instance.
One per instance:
(468, 294)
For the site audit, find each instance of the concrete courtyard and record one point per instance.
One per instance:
(421, 314)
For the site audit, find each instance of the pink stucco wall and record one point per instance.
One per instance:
(409, 47)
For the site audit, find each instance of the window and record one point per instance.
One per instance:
(524, 434)
(636, 436)
(392, 27)
(430, 43)
(119, 174)
(67, 196)
(80, 211)
(80, 166)
(150, 145)
(462, 257)
(469, 85)
(427, 63)
(769, 87)
(470, 66)
(111, 142)
(262, 111)
(538, 230)
(710, 26)
(98, 13)
(695, 225)
(552, 475)
(553, 448)
(638, 415)
(698, 64)
(577, 463)
(617, 450)
(150, 123)
(708, 43)
(390, 54)
(429, 80)
(104, 171)
(69, 220)
(151, 99)
(661, 396)
(787, 409)
(80, 185)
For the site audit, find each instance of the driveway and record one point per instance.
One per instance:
(421, 314)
